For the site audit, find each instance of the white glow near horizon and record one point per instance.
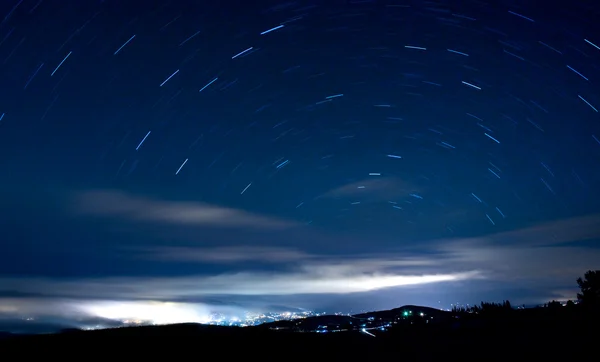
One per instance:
(153, 312)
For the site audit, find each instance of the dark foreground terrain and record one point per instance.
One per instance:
(538, 335)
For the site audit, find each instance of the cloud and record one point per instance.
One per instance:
(233, 254)
(278, 255)
(118, 204)
(375, 188)
(493, 257)
(180, 299)
(315, 279)
(522, 262)
(545, 251)
(555, 232)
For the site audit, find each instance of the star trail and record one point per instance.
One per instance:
(335, 155)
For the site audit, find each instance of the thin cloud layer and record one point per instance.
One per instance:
(118, 204)
(227, 255)
(561, 231)
(539, 251)
(340, 279)
(545, 251)
(375, 188)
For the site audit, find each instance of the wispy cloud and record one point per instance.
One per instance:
(280, 255)
(310, 279)
(374, 188)
(530, 253)
(559, 231)
(232, 254)
(303, 273)
(110, 203)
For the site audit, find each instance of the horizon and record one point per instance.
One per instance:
(53, 325)
(164, 161)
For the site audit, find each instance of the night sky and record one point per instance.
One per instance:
(259, 156)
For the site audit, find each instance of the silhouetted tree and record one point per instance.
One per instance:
(493, 308)
(590, 289)
(461, 309)
(553, 305)
(570, 304)
(484, 308)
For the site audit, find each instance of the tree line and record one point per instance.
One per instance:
(588, 298)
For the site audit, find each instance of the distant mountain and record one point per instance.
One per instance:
(309, 323)
(313, 323)
(19, 326)
(555, 331)
(409, 309)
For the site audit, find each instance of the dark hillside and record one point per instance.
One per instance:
(537, 334)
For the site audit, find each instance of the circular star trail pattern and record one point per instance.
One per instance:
(410, 119)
